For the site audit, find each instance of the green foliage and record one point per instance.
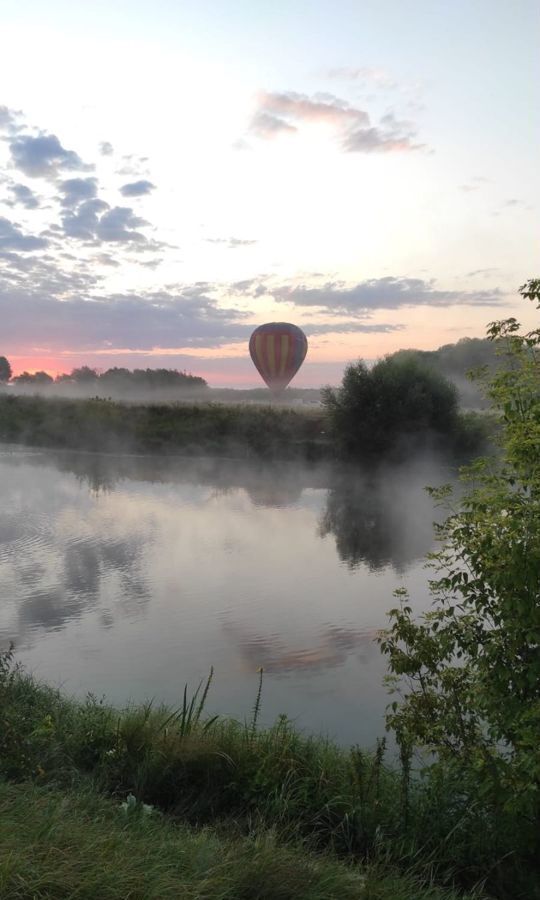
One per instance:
(469, 670)
(206, 770)
(121, 381)
(188, 428)
(157, 379)
(56, 845)
(397, 405)
(5, 370)
(38, 379)
(117, 381)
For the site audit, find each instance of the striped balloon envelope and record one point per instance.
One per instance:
(278, 349)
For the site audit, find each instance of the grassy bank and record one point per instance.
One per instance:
(236, 430)
(213, 773)
(58, 844)
(216, 429)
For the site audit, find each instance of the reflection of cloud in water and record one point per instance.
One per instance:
(49, 609)
(270, 651)
(61, 580)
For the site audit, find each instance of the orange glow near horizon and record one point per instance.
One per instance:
(230, 365)
(33, 364)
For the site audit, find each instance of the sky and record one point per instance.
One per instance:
(173, 174)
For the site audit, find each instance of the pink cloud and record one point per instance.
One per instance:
(284, 112)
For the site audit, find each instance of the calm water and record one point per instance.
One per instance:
(132, 576)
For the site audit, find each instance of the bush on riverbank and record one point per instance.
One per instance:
(210, 771)
(398, 407)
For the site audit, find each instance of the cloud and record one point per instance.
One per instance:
(232, 242)
(44, 156)
(83, 222)
(285, 112)
(390, 292)
(369, 75)
(120, 224)
(484, 272)
(320, 108)
(137, 188)
(373, 140)
(350, 328)
(185, 317)
(12, 238)
(477, 182)
(57, 275)
(264, 125)
(76, 190)
(88, 218)
(9, 120)
(95, 221)
(23, 196)
(106, 148)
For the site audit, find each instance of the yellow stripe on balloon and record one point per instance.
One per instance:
(271, 355)
(284, 353)
(259, 351)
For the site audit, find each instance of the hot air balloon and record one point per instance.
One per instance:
(278, 349)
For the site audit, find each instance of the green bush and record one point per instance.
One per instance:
(468, 671)
(398, 405)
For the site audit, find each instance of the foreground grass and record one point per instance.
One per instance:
(106, 425)
(74, 844)
(211, 772)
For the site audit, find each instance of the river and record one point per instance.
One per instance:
(131, 576)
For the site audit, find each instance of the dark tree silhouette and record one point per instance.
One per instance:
(399, 400)
(37, 378)
(5, 370)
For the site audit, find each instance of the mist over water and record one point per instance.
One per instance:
(130, 576)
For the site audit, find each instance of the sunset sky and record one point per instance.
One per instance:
(174, 173)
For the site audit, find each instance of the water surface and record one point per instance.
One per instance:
(130, 576)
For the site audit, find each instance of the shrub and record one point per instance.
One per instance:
(398, 403)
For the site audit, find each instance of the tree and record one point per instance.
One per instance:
(84, 375)
(468, 671)
(400, 399)
(5, 370)
(37, 378)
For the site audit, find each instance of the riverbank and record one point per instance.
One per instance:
(237, 431)
(236, 790)
(214, 429)
(58, 844)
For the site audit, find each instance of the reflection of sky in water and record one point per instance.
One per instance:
(131, 577)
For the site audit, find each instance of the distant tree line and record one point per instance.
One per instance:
(115, 379)
(456, 362)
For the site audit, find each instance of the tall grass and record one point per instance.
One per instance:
(205, 771)
(106, 425)
(73, 844)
